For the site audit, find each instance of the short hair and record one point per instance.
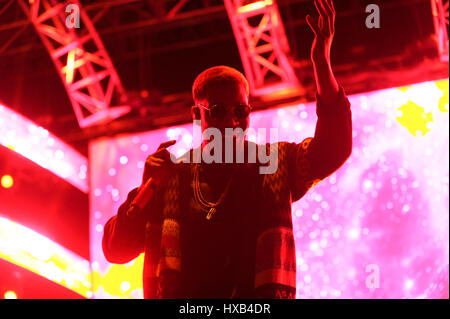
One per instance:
(217, 75)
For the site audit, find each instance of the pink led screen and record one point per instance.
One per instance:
(377, 228)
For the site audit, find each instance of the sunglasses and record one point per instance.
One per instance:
(219, 111)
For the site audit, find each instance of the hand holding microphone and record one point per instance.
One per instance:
(159, 164)
(157, 169)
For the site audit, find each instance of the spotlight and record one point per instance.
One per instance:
(7, 181)
(10, 295)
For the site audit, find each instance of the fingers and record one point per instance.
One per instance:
(166, 144)
(327, 15)
(325, 4)
(154, 161)
(324, 22)
(312, 22)
(159, 163)
(332, 14)
(330, 3)
(162, 154)
(321, 8)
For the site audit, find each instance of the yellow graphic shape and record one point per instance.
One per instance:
(414, 118)
(120, 280)
(404, 88)
(443, 102)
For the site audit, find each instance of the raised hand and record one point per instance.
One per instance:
(323, 28)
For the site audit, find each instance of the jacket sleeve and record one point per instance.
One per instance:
(124, 236)
(318, 157)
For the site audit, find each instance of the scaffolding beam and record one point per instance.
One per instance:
(81, 60)
(263, 45)
(440, 18)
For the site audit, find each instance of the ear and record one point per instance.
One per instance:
(195, 112)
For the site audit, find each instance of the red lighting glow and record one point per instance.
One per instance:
(43, 148)
(28, 249)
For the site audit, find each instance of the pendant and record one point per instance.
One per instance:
(211, 212)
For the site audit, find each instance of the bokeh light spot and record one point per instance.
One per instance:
(10, 295)
(7, 181)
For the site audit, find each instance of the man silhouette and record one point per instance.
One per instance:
(223, 230)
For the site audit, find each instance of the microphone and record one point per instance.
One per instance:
(145, 193)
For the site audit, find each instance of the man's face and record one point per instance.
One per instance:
(230, 96)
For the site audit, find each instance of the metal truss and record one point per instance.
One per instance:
(82, 62)
(440, 18)
(262, 44)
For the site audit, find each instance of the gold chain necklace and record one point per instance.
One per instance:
(204, 204)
